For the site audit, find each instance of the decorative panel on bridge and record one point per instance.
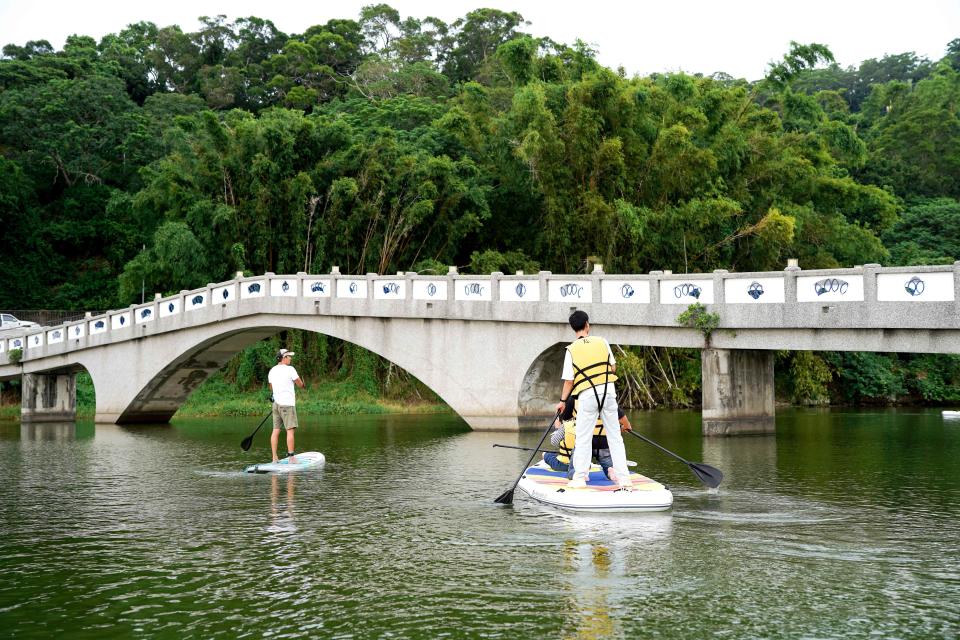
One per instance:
(936, 286)
(316, 288)
(519, 291)
(390, 289)
(830, 288)
(253, 289)
(476, 290)
(753, 290)
(625, 291)
(283, 287)
(429, 289)
(354, 288)
(579, 291)
(676, 291)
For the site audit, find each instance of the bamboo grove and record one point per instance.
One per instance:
(158, 160)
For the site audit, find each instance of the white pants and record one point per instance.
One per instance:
(587, 413)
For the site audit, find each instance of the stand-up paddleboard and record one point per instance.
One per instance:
(305, 460)
(951, 414)
(550, 487)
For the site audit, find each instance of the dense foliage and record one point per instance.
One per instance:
(160, 160)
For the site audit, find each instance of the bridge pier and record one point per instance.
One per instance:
(48, 397)
(737, 392)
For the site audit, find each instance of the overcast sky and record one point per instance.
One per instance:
(739, 37)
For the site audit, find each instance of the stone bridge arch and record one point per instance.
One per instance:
(488, 376)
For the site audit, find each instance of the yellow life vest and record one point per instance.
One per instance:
(565, 449)
(591, 364)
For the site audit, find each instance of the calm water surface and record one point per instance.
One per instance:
(844, 525)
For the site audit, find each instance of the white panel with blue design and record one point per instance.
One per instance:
(252, 289)
(196, 301)
(476, 290)
(283, 287)
(935, 286)
(226, 293)
(519, 291)
(686, 292)
(76, 331)
(120, 321)
(389, 289)
(351, 288)
(98, 326)
(55, 336)
(35, 340)
(625, 291)
(169, 307)
(842, 288)
(16, 343)
(753, 290)
(429, 289)
(570, 291)
(143, 314)
(316, 288)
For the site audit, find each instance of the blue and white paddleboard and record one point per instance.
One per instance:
(305, 460)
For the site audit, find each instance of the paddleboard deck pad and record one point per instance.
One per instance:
(550, 487)
(305, 460)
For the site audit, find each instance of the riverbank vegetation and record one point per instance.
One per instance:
(155, 160)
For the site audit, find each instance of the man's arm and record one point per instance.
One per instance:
(564, 394)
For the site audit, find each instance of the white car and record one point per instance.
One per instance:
(8, 321)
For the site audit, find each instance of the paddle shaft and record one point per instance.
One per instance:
(662, 448)
(710, 476)
(507, 496)
(507, 446)
(245, 444)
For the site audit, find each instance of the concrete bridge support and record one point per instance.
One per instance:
(48, 397)
(737, 392)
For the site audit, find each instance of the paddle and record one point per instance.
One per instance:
(710, 476)
(507, 496)
(245, 445)
(507, 446)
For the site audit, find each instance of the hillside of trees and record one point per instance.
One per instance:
(172, 159)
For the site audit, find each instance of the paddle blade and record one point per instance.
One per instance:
(245, 445)
(710, 476)
(505, 498)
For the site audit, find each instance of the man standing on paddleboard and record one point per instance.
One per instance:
(281, 378)
(588, 373)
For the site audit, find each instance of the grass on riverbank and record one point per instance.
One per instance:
(217, 398)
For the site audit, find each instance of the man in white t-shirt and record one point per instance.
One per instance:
(281, 378)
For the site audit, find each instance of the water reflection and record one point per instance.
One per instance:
(281, 507)
(53, 431)
(591, 570)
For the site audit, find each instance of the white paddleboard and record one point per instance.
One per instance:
(951, 414)
(305, 460)
(550, 487)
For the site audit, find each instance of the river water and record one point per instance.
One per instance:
(846, 524)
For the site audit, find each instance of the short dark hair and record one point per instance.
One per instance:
(578, 320)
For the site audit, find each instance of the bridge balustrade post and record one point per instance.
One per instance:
(495, 287)
(655, 288)
(870, 282)
(48, 397)
(719, 288)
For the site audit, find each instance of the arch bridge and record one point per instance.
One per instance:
(490, 346)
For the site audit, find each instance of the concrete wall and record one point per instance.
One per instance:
(738, 396)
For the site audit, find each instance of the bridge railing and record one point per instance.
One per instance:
(868, 295)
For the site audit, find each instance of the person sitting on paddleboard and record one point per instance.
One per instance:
(282, 378)
(564, 438)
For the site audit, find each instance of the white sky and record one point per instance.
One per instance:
(739, 37)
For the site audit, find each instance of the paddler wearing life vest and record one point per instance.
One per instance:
(564, 439)
(588, 376)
